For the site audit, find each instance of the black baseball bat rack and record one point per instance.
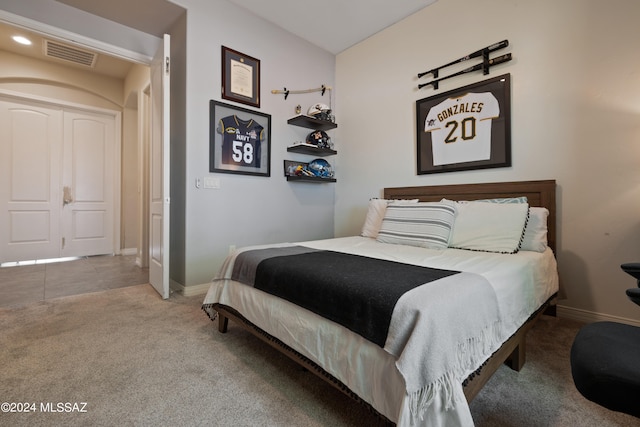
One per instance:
(485, 65)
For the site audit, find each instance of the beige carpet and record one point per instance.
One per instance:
(136, 360)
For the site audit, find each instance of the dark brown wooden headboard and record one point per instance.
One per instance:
(539, 193)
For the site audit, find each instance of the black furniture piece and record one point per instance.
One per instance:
(605, 359)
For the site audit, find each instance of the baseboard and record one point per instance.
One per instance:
(129, 251)
(189, 291)
(585, 316)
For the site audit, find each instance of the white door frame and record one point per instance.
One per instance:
(117, 115)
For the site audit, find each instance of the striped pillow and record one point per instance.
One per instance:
(427, 224)
(375, 215)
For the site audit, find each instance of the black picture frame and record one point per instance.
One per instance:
(249, 154)
(240, 77)
(492, 147)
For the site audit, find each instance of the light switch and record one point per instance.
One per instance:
(211, 182)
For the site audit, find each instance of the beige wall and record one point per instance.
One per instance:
(575, 118)
(55, 81)
(130, 225)
(133, 152)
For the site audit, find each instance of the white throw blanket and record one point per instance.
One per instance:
(436, 343)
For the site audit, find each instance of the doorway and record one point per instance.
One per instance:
(58, 181)
(95, 223)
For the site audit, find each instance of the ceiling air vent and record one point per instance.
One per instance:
(69, 53)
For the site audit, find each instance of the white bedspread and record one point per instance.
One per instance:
(391, 380)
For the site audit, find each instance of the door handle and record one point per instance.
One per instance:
(66, 197)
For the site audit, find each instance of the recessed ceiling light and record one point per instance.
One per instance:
(22, 40)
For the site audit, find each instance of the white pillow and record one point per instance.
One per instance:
(535, 234)
(426, 225)
(489, 227)
(375, 214)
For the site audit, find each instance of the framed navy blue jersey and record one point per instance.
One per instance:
(239, 140)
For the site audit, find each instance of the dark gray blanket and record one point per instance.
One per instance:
(357, 292)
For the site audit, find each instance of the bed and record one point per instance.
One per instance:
(408, 364)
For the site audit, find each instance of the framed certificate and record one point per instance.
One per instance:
(240, 77)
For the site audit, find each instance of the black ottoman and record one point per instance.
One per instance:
(605, 364)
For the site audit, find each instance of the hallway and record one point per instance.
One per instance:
(29, 283)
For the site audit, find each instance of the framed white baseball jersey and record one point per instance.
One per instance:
(461, 128)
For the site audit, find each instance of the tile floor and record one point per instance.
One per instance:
(30, 283)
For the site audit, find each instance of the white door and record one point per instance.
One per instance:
(30, 197)
(88, 184)
(159, 171)
(57, 186)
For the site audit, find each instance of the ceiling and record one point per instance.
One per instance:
(333, 25)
